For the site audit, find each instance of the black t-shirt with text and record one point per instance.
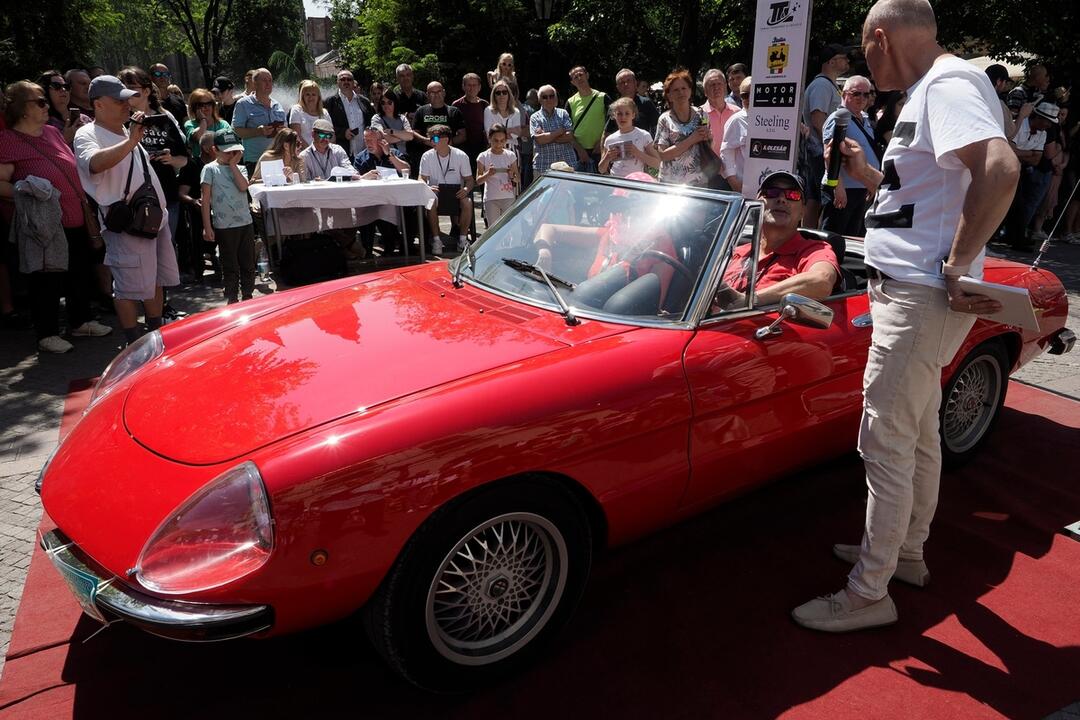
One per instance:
(161, 134)
(427, 116)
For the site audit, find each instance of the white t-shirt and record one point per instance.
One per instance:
(299, 116)
(108, 187)
(627, 163)
(733, 149)
(912, 223)
(499, 186)
(1026, 139)
(450, 170)
(514, 121)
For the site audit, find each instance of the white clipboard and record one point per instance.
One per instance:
(1015, 302)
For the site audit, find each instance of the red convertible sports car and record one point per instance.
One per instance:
(446, 447)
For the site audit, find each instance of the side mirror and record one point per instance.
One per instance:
(800, 310)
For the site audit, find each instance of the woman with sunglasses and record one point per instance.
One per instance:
(202, 118)
(62, 114)
(32, 147)
(394, 127)
(679, 131)
(504, 70)
(503, 110)
(162, 138)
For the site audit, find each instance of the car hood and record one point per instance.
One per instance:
(320, 359)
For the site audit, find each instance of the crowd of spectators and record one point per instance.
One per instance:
(202, 150)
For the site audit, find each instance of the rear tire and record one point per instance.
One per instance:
(482, 585)
(971, 402)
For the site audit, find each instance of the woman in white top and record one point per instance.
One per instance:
(304, 113)
(503, 110)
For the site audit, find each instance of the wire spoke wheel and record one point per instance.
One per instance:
(496, 589)
(972, 403)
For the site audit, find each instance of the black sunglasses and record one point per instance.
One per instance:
(40, 102)
(792, 194)
(59, 86)
(502, 92)
(205, 103)
(854, 93)
(547, 97)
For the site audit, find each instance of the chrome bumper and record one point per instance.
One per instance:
(173, 619)
(1062, 342)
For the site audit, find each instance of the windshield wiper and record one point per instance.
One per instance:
(533, 270)
(466, 254)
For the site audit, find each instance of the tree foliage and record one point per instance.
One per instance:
(132, 34)
(37, 36)
(261, 28)
(204, 24)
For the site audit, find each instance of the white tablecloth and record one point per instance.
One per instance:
(322, 205)
(344, 195)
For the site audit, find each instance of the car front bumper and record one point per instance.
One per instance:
(102, 593)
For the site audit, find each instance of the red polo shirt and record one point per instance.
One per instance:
(793, 257)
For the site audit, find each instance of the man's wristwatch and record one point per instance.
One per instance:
(954, 270)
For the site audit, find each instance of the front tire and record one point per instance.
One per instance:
(971, 402)
(482, 585)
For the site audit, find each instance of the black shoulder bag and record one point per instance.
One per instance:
(141, 214)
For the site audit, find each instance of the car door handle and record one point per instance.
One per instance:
(862, 321)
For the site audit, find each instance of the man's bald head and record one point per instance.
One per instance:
(895, 15)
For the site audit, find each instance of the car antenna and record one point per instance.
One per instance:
(1046, 243)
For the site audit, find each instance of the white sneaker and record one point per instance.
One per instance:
(461, 244)
(92, 328)
(436, 247)
(55, 344)
(833, 613)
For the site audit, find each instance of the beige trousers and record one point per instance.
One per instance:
(915, 336)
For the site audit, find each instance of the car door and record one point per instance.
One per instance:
(763, 407)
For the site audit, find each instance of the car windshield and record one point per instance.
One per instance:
(629, 249)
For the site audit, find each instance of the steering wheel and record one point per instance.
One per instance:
(678, 266)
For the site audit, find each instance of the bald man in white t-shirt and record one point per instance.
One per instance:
(948, 175)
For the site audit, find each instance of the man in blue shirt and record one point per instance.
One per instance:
(843, 207)
(552, 132)
(377, 153)
(257, 118)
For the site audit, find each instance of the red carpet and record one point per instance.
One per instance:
(691, 623)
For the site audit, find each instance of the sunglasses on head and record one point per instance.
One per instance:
(59, 86)
(323, 135)
(792, 194)
(161, 73)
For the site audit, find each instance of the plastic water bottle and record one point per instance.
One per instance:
(263, 263)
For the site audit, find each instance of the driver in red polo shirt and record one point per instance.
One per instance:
(787, 262)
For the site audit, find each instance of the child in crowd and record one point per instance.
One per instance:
(630, 149)
(497, 169)
(227, 217)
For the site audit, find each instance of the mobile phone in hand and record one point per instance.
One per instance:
(74, 114)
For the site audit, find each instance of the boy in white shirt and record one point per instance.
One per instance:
(441, 166)
(630, 149)
(497, 170)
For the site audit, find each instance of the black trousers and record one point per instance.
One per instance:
(847, 220)
(391, 236)
(237, 249)
(74, 285)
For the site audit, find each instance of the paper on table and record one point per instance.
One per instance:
(386, 173)
(341, 172)
(273, 172)
(1015, 302)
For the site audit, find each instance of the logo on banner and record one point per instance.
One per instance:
(781, 12)
(770, 149)
(776, 95)
(766, 172)
(778, 55)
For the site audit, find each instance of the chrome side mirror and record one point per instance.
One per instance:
(800, 310)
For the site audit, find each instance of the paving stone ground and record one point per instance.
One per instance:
(33, 388)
